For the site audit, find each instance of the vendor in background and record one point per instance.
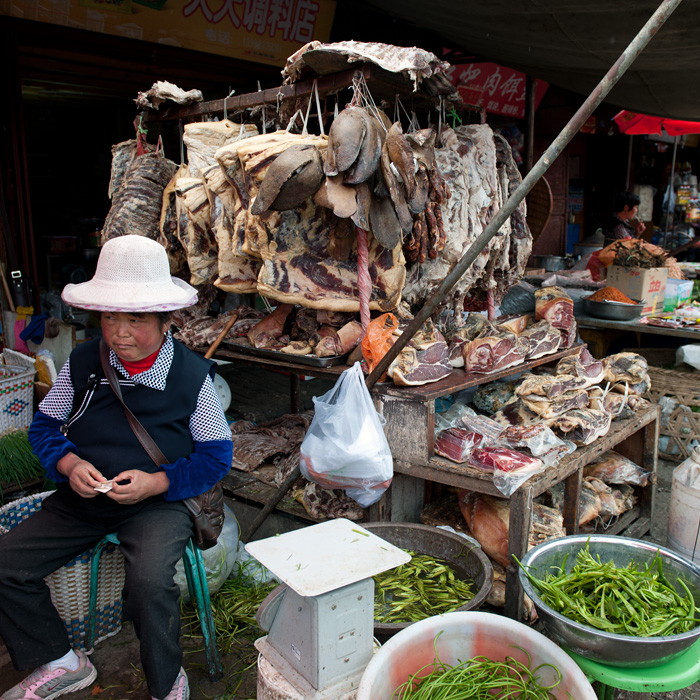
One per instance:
(622, 223)
(82, 438)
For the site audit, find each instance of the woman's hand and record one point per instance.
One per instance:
(133, 486)
(82, 476)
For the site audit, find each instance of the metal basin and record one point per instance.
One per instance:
(611, 649)
(550, 263)
(467, 561)
(613, 311)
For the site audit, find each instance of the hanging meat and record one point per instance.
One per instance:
(478, 174)
(194, 229)
(308, 254)
(168, 237)
(136, 205)
(237, 272)
(204, 139)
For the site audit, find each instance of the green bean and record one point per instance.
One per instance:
(478, 678)
(630, 600)
(425, 586)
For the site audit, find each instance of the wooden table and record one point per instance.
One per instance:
(598, 333)
(635, 438)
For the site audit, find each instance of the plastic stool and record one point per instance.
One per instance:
(678, 673)
(199, 592)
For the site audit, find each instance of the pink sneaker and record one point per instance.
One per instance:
(180, 689)
(44, 684)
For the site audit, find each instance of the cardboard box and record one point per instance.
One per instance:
(637, 283)
(677, 292)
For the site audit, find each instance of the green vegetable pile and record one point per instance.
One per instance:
(479, 678)
(233, 608)
(425, 586)
(18, 463)
(638, 602)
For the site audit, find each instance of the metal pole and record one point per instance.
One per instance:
(636, 46)
(629, 165)
(669, 210)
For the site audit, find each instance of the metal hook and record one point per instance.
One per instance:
(225, 100)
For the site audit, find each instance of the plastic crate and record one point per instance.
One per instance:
(70, 585)
(16, 397)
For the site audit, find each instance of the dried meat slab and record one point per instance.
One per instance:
(553, 304)
(297, 268)
(457, 443)
(136, 206)
(194, 230)
(237, 272)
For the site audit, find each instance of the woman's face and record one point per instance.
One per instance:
(132, 337)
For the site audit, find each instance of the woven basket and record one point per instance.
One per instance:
(682, 427)
(16, 397)
(70, 585)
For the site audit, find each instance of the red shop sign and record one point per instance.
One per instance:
(498, 89)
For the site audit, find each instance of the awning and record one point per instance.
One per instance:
(573, 44)
(634, 124)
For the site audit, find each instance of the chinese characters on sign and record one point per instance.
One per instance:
(290, 20)
(266, 31)
(497, 89)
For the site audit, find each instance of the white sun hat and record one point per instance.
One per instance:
(132, 275)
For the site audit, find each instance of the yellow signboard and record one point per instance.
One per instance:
(264, 31)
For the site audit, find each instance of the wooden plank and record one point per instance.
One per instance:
(409, 428)
(276, 365)
(383, 84)
(464, 476)
(247, 487)
(636, 327)
(407, 499)
(623, 525)
(638, 528)
(572, 501)
(458, 379)
(518, 536)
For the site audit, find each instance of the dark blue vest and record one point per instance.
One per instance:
(102, 433)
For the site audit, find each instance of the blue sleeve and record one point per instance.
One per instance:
(198, 472)
(49, 444)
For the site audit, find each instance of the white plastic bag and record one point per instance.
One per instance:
(219, 560)
(345, 446)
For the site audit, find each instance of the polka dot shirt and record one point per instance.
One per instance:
(206, 423)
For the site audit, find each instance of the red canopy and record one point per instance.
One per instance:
(636, 124)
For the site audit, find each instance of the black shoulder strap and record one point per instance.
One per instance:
(141, 433)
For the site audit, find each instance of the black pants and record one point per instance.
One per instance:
(152, 539)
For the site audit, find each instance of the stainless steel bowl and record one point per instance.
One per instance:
(551, 263)
(612, 649)
(469, 563)
(613, 311)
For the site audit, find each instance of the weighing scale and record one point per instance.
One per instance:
(320, 619)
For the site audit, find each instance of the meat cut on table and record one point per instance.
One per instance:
(553, 304)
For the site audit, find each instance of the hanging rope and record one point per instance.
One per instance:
(141, 134)
(490, 305)
(364, 281)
